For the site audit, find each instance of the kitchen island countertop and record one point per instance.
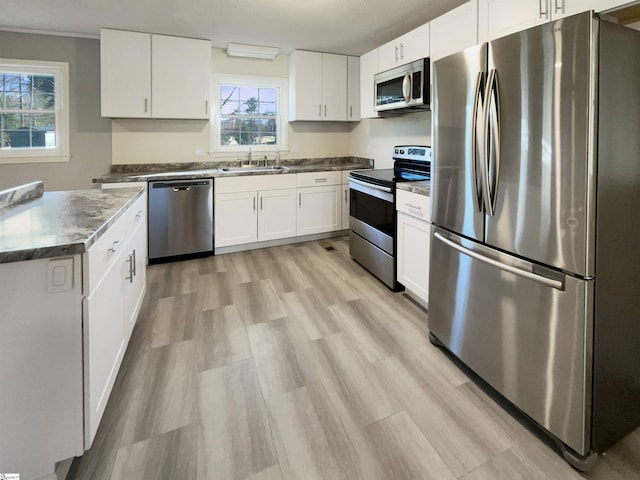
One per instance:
(60, 223)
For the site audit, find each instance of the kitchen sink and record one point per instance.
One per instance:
(253, 168)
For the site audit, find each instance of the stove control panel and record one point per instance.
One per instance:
(412, 152)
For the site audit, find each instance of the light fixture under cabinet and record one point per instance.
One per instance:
(252, 51)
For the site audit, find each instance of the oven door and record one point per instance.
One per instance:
(372, 214)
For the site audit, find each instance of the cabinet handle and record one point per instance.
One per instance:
(254, 203)
(396, 53)
(261, 203)
(135, 271)
(325, 110)
(206, 107)
(321, 180)
(320, 110)
(351, 111)
(130, 262)
(138, 216)
(146, 104)
(300, 199)
(416, 207)
(114, 247)
(543, 9)
(559, 6)
(346, 190)
(401, 51)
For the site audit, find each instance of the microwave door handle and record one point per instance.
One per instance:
(406, 87)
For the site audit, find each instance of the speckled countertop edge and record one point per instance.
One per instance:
(20, 194)
(175, 171)
(422, 187)
(62, 223)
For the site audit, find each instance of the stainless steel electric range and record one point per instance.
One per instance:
(372, 220)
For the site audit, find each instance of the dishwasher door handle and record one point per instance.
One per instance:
(178, 189)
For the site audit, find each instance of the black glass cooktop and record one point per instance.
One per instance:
(390, 176)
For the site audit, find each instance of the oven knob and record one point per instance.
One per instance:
(395, 151)
(401, 152)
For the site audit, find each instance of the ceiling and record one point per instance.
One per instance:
(350, 27)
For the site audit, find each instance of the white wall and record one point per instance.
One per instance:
(376, 137)
(180, 141)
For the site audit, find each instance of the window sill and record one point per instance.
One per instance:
(35, 159)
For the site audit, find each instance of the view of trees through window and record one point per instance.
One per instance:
(248, 115)
(27, 110)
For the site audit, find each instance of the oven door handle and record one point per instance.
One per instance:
(371, 185)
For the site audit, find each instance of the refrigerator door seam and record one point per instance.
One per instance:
(508, 268)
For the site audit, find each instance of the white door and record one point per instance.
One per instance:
(305, 85)
(319, 209)
(413, 254)
(564, 8)
(353, 89)
(135, 277)
(497, 18)
(277, 214)
(414, 45)
(181, 72)
(235, 218)
(454, 31)
(125, 74)
(104, 343)
(334, 87)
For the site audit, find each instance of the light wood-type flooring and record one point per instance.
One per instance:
(293, 362)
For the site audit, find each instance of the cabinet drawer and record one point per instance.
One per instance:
(253, 183)
(413, 204)
(104, 252)
(136, 214)
(316, 179)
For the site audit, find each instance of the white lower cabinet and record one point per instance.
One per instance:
(114, 270)
(346, 200)
(413, 237)
(254, 209)
(319, 209)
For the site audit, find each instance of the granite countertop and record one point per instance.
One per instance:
(422, 187)
(176, 171)
(59, 223)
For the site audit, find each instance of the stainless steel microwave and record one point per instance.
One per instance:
(404, 88)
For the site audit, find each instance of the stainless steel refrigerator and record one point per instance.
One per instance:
(535, 255)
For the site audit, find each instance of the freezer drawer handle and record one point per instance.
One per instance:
(507, 268)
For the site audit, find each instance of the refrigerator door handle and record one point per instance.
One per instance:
(478, 104)
(495, 263)
(491, 137)
(494, 118)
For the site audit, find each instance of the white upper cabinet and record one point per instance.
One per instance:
(353, 89)
(125, 74)
(411, 46)
(455, 30)
(154, 76)
(497, 18)
(180, 76)
(317, 86)
(368, 68)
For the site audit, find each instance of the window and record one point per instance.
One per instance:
(248, 113)
(34, 111)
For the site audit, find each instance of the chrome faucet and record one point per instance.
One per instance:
(249, 156)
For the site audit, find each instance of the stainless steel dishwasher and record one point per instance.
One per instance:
(180, 217)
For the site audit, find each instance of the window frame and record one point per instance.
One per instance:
(60, 71)
(249, 81)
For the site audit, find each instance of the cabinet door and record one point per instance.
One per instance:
(388, 56)
(497, 18)
(125, 74)
(334, 87)
(305, 85)
(353, 89)
(564, 8)
(104, 342)
(181, 71)
(135, 278)
(414, 45)
(235, 218)
(368, 68)
(276, 214)
(346, 202)
(319, 209)
(413, 254)
(454, 31)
